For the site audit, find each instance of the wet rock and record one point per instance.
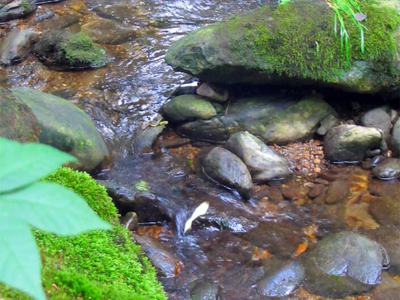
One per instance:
(150, 208)
(70, 51)
(349, 143)
(188, 107)
(316, 190)
(343, 264)
(263, 163)
(163, 259)
(338, 191)
(227, 169)
(386, 211)
(110, 32)
(121, 11)
(389, 289)
(389, 237)
(327, 124)
(130, 221)
(379, 119)
(369, 164)
(388, 169)
(145, 138)
(282, 281)
(257, 48)
(60, 22)
(17, 121)
(295, 191)
(174, 143)
(213, 92)
(395, 139)
(10, 10)
(206, 290)
(65, 127)
(272, 193)
(16, 46)
(273, 118)
(47, 1)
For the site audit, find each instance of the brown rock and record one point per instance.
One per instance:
(338, 191)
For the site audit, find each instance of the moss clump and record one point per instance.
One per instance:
(301, 42)
(80, 49)
(99, 265)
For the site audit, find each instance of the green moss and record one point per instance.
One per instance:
(301, 40)
(80, 49)
(100, 265)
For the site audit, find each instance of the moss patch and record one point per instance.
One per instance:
(302, 41)
(100, 265)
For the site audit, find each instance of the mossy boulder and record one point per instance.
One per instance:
(296, 43)
(17, 121)
(71, 51)
(100, 265)
(65, 127)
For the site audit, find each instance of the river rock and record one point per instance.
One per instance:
(327, 124)
(60, 22)
(379, 119)
(206, 290)
(16, 46)
(70, 51)
(282, 281)
(388, 169)
(166, 263)
(212, 91)
(350, 143)
(389, 289)
(338, 191)
(274, 118)
(263, 163)
(187, 107)
(343, 264)
(65, 127)
(395, 139)
(227, 169)
(10, 10)
(258, 48)
(17, 121)
(104, 31)
(130, 221)
(386, 211)
(145, 138)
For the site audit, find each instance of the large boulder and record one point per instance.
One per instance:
(295, 42)
(263, 163)
(10, 10)
(226, 168)
(343, 264)
(350, 143)
(17, 121)
(65, 127)
(274, 118)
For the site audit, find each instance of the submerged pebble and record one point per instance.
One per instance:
(388, 169)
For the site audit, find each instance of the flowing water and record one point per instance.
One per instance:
(230, 245)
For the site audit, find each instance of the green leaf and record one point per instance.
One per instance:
(22, 164)
(20, 264)
(51, 207)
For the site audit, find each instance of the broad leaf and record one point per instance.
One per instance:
(20, 263)
(53, 208)
(22, 164)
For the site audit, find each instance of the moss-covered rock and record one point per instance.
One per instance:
(17, 121)
(295, 42)
(100, 265)
(65, 127)
(72, 51)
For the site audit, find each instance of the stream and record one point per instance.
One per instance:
(227, 250)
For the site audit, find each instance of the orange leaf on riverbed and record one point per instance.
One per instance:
(260, 253)
(300, 249)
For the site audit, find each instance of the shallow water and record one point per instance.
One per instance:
(231, 244)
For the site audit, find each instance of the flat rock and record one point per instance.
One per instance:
(226, 168)
(350, 143)
(145, 138)
(338, 191)
(213, 92)
(65, 127)
(388, 169)
(263, 163)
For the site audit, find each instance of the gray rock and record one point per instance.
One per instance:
(350, 143)
(226, 168)
(388, 169)
(145, 138)
(338, 191)
(389, 289)
(379, 119)
(17, 121)
(273, 118)
(395, 139)
(188, 107)
(60, 22)
(16, 46)
(213, 92)
(65, 127)
(206, 290)
(343, 264)
(283, 281)
(263, 163)
(110, 32)
(130, 221)
(16, 9)
(327, 124)
(386, 211)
